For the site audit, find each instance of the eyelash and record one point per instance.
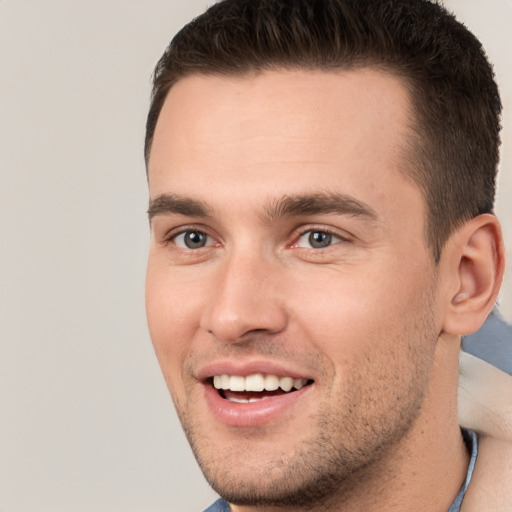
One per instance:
(173, 235)
(319, 229)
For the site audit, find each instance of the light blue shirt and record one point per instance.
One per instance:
(472, 443)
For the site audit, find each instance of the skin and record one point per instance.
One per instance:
(363, 318)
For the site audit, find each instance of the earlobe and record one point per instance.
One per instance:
(475, 260)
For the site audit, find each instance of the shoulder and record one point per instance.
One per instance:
(485, 406)
(490, 487)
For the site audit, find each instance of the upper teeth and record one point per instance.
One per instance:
(257, 382)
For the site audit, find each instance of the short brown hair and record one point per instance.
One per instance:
(451, 83)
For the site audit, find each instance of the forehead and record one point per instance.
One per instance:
(283, 132)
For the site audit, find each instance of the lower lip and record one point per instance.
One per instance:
(251, 414)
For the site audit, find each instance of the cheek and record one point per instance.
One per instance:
(170, 316)
(353, 312)
(171, 303)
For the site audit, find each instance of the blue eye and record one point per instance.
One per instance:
(192, 240)
(317, 239)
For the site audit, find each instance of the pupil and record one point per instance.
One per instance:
(195, 239)
(319, 239)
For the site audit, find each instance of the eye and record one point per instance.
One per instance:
(317, 239)
(192, 239)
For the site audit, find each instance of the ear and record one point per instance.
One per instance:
(474, 264)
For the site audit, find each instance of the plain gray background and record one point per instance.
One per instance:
(86, 423)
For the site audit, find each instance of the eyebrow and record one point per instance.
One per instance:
(318, 204)
(287, 206)
(173, 204)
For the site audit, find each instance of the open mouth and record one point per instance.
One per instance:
(255, 387)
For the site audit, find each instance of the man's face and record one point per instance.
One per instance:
(288, 250)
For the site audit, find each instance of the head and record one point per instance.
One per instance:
(456, 106)
(320, 238)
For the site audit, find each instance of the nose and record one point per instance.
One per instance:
(245, 298)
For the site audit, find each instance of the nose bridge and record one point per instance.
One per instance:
(244, 297)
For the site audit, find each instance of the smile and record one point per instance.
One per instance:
(255, 387)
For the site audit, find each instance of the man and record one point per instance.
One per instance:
(321, 177)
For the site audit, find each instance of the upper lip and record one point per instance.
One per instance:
(243, 369)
